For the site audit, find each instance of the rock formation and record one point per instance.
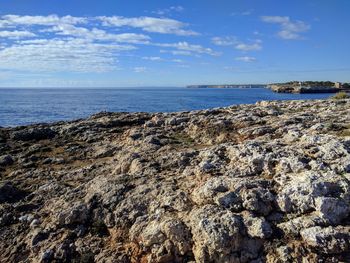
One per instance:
(252, 183)
(310, 87)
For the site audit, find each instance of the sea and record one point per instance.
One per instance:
(22, 106)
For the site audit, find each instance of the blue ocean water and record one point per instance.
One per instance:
(26, 106)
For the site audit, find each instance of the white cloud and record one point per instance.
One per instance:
(152, 58)
(162, 59)
(177, 52)
(177, 8)
(289, 29)
(167, 11)
(98, 34)
(190, 48)
(239, 45)
(286, 34)
(224, 41)
(177, 60)
(128, 38)
(16, 34)
(243, 13)
(139, 69)
(247, 12)
(149, 24)
(11, 20)
(249, 47)
(84, 44)
(246, 59)
(275, 19)
(70, 55)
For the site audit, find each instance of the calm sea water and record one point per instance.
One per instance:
(26, 106)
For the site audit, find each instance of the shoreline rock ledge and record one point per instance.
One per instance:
(268, 182)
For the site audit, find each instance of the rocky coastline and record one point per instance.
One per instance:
(227, 86)
(310, 87)
(268, 182)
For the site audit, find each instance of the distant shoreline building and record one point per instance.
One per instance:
(338, 85)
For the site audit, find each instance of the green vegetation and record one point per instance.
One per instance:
(346, 85)
(340, 96)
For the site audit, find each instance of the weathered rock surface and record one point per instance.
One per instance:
(267, 182)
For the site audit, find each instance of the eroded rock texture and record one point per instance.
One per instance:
(251, 183)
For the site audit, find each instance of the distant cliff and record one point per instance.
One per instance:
(227, 86)
(310, 87)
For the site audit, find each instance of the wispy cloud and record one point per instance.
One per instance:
(150, 24)
(254, 45)
(224, 41)
(177, 52)
(98, 34)
(85, 44)
(139, 69)
(167, 11)
(50, 20)
(289, 29)
(243, 13)
(187, 48)
(247, 12)
(249, 47)
(177, 60)
(159, 59)
(16, 34)
(152, 58)
(75, 55)
(246, 59)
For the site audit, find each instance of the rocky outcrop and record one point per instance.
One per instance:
(286, 88)
(310, 87)
(268, 182)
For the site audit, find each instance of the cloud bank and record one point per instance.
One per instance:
(86, 44)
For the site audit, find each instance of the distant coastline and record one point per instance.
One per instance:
(227, 86)
(310, 87)
(300, 87)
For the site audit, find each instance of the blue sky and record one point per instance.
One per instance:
(75, 43)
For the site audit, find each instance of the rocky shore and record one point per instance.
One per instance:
(268, 182)
(310, 87)
(298, 89)
(227, 86)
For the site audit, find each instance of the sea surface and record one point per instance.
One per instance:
(27, 106)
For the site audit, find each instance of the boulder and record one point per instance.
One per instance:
(327, 240)
(78, 214)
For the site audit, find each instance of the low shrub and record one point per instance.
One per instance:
(340, 96)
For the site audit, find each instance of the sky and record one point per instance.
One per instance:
(89, 43)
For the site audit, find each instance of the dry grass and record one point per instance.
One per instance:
(344, 132)
(340, 96)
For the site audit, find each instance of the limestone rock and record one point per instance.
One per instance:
(267, 182)
(328, 240)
